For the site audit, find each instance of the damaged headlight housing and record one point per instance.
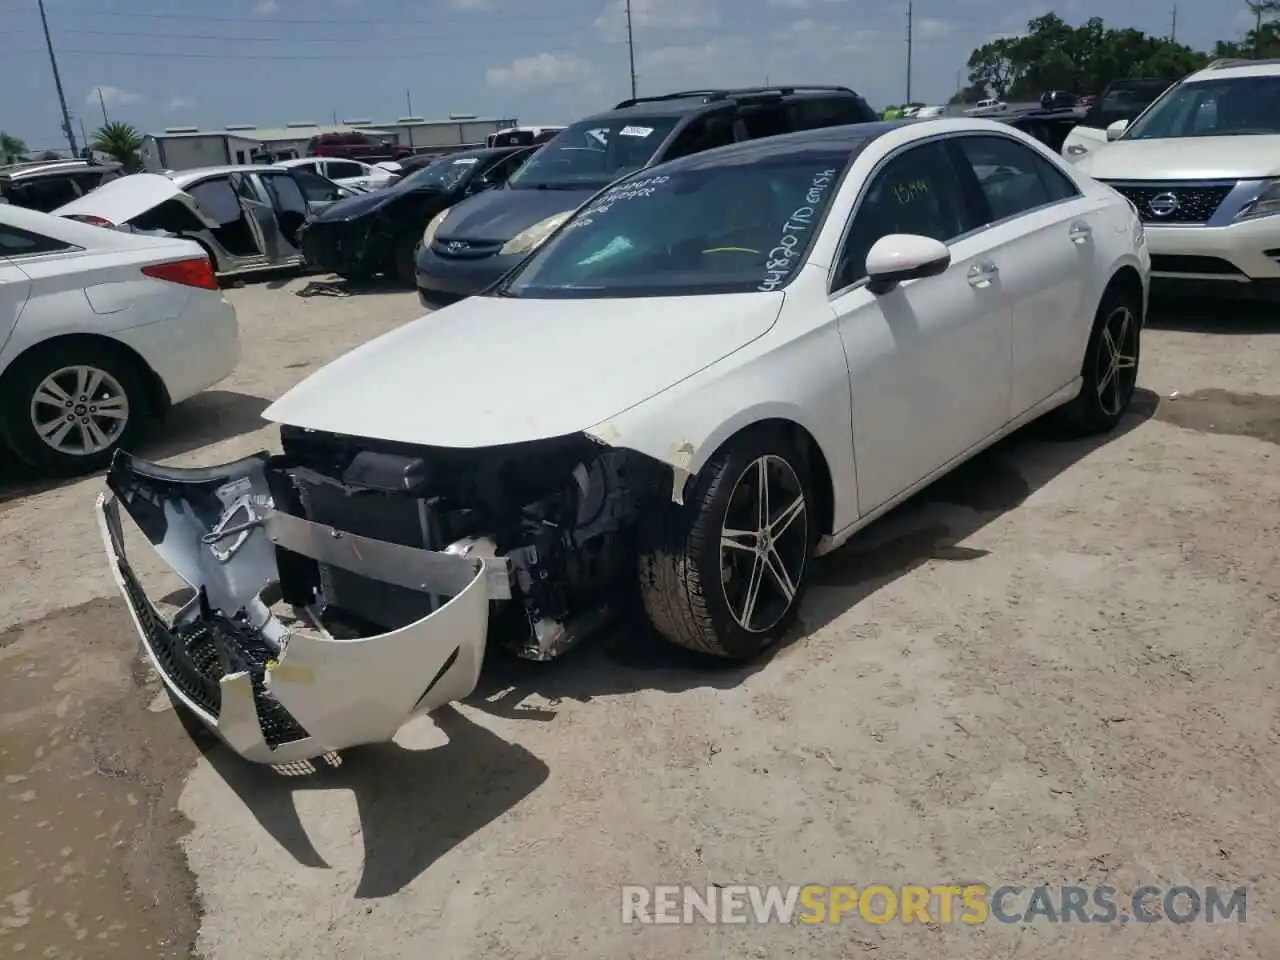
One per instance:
(433, 225)
(531, 238)
(1266, 204)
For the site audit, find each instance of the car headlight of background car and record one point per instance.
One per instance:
(526, 240)
(1267, 203)
(433, 225)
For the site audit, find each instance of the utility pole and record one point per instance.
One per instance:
(103, 103)
(631, 50)
(57, 82)
(909, 17)
(408, 100)
(1173, 26)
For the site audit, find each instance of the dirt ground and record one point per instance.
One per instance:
(1059, 666)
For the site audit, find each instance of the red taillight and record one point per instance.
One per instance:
(196, 272)
(91, 220)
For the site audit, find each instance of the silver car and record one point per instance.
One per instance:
(246, 217)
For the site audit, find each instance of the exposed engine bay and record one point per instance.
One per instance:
(346, 585)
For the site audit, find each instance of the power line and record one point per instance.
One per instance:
(234, 38)
(319, 57)
(329, 21)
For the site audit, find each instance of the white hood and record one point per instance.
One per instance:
(121, 200)
(1185, 158)
(491, 370)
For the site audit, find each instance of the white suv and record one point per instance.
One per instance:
(1202, 167)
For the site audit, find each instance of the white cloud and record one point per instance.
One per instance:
(264, 8)
(180, 103)
(541, 70)
(471, 4)
(932, 29)
(111, 97)
(656, 15)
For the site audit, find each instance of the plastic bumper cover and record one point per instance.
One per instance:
(277, 693)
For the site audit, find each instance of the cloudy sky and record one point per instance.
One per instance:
(161, 63)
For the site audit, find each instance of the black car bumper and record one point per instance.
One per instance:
(460, 276)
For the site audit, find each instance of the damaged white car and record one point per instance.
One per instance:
(715, 370)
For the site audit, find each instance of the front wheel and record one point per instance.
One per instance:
(725, 573)
(406, 261)
(66, 409)
(1110, 370)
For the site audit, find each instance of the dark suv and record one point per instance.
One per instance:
(470, 246)
(45, 185)
(355, 146)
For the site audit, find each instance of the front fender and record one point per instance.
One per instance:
(804, 380)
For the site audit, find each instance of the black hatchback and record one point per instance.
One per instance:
(376, 232)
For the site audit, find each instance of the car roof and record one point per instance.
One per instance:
(823, 140)
(685, 102)
(1225, 68)
(182, 177)
(35, 168)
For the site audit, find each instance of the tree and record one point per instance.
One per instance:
(120, 141)
(1261, 10)
(11, 148)
(1053, 55)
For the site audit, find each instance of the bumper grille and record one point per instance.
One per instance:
(464, 249)
(196, 658)
(1174, 203)
(332, 247)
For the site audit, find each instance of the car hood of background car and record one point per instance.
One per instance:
(363, 204)
(498, 215)
(121, 200)
(1185, 158)
(492, 370)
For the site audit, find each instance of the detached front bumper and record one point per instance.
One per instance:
(274, 689)
(342, 247)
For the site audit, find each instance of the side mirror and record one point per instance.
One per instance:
(1116, 130)
(904, 256)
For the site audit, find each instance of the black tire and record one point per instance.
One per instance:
(1106, 393)
(17, 392)
(406, 260)
(691, 595)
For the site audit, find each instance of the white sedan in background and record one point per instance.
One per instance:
(100, 329)
(354, 174)
(715, 370)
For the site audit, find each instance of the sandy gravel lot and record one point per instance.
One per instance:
(1060, 666)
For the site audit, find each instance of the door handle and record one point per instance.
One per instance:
(1075, 150)
(1080, 232)
(981, 274)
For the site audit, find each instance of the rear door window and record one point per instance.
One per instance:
(315, 187)
(816, 112)
(23, 243)
(45, 194)
(217, 199)
(286, 195)
(342, 169)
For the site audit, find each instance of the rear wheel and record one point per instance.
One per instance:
(67, 408)
(725, 573)
(1110, 370)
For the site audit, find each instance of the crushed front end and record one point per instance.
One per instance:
(348, 585)
(351, 247)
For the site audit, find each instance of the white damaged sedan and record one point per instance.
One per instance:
(714, 371)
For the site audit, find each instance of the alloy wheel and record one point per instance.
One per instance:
(1117, 372)
(79, 411)
(764, 543)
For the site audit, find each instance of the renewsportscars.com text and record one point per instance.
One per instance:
(971, 904)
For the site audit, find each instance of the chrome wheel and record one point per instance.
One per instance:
(1117, 372)
(764, 543)
(79, 411)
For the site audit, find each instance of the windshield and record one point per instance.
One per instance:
(707, 229)
(444, 174)
(1231, 106)
(590, 154)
